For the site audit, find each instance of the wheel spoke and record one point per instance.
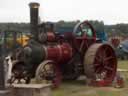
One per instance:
(104, 52)
(101, 76)
(12, 80)
(105, 49)
(97, 70)
(98, 58)
(44, 67)
(101, 55)
(42, 74)
(81, 46)
(87, 44)
(108, 58)
(96, 65)
(108, 68)
(81, 28)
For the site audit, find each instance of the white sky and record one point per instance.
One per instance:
(110, 11)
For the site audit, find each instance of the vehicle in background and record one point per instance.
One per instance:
(122, 50)
(102, 36)
(13, 39)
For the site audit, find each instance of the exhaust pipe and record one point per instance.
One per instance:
(34, 8)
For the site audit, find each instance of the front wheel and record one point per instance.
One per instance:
(48, 72)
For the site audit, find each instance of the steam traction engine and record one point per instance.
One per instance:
(52, 57)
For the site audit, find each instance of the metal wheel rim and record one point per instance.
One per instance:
(100, 62)
(40, 74)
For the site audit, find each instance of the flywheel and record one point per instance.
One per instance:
(100, 63)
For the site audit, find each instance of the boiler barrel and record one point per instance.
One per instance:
(59, 53)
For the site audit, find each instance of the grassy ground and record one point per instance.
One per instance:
(78, 88)
(123, 64)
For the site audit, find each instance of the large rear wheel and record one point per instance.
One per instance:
(100, 63)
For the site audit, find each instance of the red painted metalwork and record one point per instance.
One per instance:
(50, 36)
(84, 41)
(72, 52)
(57, 81)
(75, 54)
(115, 41)
(104, 62)
(59, 53)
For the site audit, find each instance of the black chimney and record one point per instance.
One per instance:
(34, 19)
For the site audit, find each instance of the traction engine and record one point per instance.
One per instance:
(52, 57)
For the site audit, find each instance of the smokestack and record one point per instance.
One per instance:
(34, 8)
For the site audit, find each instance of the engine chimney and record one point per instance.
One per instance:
(34, 8)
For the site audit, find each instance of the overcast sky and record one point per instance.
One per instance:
(109, 11)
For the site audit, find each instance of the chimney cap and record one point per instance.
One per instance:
(34, 5)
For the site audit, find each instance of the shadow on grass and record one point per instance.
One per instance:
(75, 82)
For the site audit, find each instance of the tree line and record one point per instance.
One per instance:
(117, 29)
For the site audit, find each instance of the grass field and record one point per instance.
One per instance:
(78, 88)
